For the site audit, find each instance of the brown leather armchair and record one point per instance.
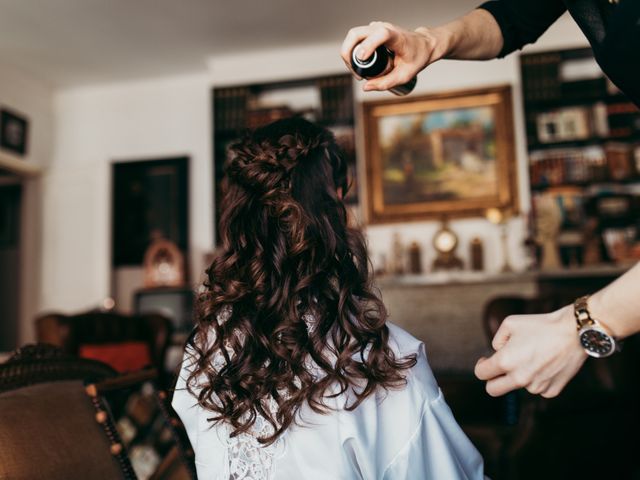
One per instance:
(57, 421)
(109, 334)
(590, 431)
(49, 427)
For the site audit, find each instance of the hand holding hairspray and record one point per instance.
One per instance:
(378, 64)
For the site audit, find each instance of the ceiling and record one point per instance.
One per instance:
(76, 42)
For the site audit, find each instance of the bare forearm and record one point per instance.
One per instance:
(475, 36)
(617, 306)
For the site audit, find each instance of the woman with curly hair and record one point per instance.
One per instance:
(293, 371)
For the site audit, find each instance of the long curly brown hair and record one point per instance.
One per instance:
(288, 301)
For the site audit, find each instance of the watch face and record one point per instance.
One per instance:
(597, 342)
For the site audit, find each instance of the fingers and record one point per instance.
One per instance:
(552, 391)
(488, 368)
(379, 34)
(369, 37)
(503, 334)
(353, 38)
(501, 386)
(398, 76)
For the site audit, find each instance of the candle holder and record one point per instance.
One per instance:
(499, 217)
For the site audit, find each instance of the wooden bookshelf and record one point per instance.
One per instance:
(583, 142)
(326, 100)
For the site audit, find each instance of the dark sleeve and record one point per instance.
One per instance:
(523, 21)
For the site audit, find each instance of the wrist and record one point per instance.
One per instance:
(566, 318)
(606, 315)
(436, 42)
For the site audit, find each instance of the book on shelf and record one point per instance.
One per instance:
(541, 76)
(619, 160)
(561, 166)
(230, 106)
(336, 95)
(623, 118)
(572, 123)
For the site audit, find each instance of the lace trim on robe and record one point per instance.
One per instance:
(248, 459)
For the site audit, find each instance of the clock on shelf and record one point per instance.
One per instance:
(445, 241)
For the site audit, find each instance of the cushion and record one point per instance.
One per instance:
(122, 356)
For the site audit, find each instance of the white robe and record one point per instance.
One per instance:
(405, 434)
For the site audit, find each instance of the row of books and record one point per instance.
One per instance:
(559, 76)
(235, 108)
(541, 76)
(336, 96)
(572, 123)
(600, 120)
(230, 108)
(596, 163)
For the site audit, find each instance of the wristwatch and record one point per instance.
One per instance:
(594, 338)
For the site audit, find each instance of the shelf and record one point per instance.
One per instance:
(601, 270)
(566, 144)
(586, 142)
(554, 104)
(18, 166)
(594, 183)
(464, 277)
(451, 278)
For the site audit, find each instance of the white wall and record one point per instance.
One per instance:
(94, 127)
(171, 116)
(32, 97)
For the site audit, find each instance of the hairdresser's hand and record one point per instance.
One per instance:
(538, 352)
(413, 50)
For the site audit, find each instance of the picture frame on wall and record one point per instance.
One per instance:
(14, 132)
(445, 155)
(149, 202)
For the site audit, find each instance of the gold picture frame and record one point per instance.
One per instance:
(446, 155)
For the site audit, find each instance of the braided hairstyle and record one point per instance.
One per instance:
(287, 252)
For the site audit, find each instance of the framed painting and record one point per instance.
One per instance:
(149, 201)
(14, 130)
(445, 155)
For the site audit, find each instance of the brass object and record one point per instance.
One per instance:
(500, 217)
(581, 312)
(445, 241)
(163, 265)
(91, 390)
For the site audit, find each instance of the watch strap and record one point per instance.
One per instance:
(581, 312)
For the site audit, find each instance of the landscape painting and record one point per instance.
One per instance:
(445, 155)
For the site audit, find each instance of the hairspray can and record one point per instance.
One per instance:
(380, 63)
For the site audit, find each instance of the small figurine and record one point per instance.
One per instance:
(477, 255)
(548, 222)
(397, 255)
(415, 261)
